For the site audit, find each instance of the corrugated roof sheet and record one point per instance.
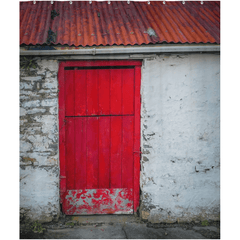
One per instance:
(119, 23)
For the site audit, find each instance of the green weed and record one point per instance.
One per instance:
(205, 223)
(70, 224)
(27, 63)
(37, 227)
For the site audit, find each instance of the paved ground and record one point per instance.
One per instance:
(120, 227)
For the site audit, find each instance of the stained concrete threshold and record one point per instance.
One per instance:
(121, 227)
(104, 219)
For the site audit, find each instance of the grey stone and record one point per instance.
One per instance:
(51, 85)
(32, 78)
(22, 112)
(25, 146)
(31, 104)
(49, 102)
(26, 86)
(36, 110)
(41, 143)
(53, 110)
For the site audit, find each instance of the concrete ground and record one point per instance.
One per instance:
(120, 227)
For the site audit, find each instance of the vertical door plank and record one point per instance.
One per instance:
(116, 91)
(70, 153)
(127, 154)
(128, 91)
(80, 92)
(92, 152)
(92, 92)
(69, 92)
(116, 139)
(61, 115)
(104, 152)
(136, 147)
(104, 91)
(80, 153)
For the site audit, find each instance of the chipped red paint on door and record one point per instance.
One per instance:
(99, 122)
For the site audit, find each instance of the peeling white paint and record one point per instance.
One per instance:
(181, 137)
(39, 192)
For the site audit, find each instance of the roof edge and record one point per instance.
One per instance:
(126, 50)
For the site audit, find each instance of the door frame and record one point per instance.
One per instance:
(137, 125)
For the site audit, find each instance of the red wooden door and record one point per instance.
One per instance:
(99, 116)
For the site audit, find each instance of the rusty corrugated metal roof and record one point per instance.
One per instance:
(119, 23)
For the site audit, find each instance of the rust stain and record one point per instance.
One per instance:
(52, 161)
(119, 23)
(28, 159)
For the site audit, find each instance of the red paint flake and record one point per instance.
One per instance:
(129, 205)
(92, 205)
(73, 193)
(119, 201)
(95, 201)
(78, 195)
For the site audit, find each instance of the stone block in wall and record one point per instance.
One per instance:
(51, 84)
(25, 146)
(32, 78)
(39, 158)
(36, 110)
(31, 104)
(49, 126)
(23, 111)
(26, 86)
(48, 68)
(49, 102)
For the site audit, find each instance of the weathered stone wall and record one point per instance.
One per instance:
(39, 167)
(180, 121)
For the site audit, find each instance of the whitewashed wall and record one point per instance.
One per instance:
(180, 118)
(180, 166)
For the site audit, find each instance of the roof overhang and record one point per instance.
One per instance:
(113, 50)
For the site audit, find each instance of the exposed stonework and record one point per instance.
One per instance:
(39, 172)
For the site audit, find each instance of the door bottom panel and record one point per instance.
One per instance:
(98, 201)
